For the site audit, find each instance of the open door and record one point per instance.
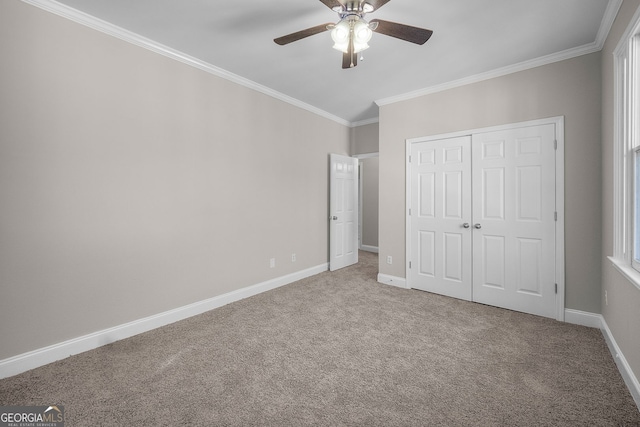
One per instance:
(343, 211)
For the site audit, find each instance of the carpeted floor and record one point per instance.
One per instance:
(341, 349)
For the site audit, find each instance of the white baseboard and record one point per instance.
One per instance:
(583, 318)
(368, 248)
(623, 366)
(593, 320)
(33, 359)
(399, 282)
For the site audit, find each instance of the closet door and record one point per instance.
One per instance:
(482, 219)
(514, 219)
(440, 217)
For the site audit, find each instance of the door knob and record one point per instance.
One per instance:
(465, 225)
(335, 218)
(477, 226)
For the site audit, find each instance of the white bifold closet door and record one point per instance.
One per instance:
(482, 219)
(441, 216)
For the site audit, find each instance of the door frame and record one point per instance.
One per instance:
(360, 158)
(558, 121)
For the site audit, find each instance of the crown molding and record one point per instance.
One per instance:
(90, 21)
(605, 26)
(632, 28)
(365, 122)
(105, 27)
(499, 72)
(613, 7)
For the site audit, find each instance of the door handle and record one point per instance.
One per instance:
(465, 225)
(335, 218)
(477, 226)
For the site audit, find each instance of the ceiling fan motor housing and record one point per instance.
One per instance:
(354, 8)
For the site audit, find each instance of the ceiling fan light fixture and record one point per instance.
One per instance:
(349, 29)
(362, 33)
(340, 32)
(340, 35)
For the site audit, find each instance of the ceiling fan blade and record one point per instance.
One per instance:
(377, 4)
(403, 32)
(289, 38)
(332, 3)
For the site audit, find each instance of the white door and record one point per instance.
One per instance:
(513, 216)
(343, 211)
(441, 217)
(482, 218)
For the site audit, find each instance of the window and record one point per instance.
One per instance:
(635, 259)
(626, 254)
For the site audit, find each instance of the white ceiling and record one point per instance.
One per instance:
(471, 38)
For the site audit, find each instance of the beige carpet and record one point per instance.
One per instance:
(340, 349)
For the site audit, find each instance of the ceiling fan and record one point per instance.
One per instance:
(352, 33)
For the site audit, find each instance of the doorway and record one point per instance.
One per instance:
(368, 201)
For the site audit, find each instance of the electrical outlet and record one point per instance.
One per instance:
(293, 257)
(272, 262)
(606, 298)
(389, 260)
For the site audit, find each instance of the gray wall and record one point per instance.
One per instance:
(364, 139)
(622, 314)
(569, 88)
(132, 184)
(369, 176)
